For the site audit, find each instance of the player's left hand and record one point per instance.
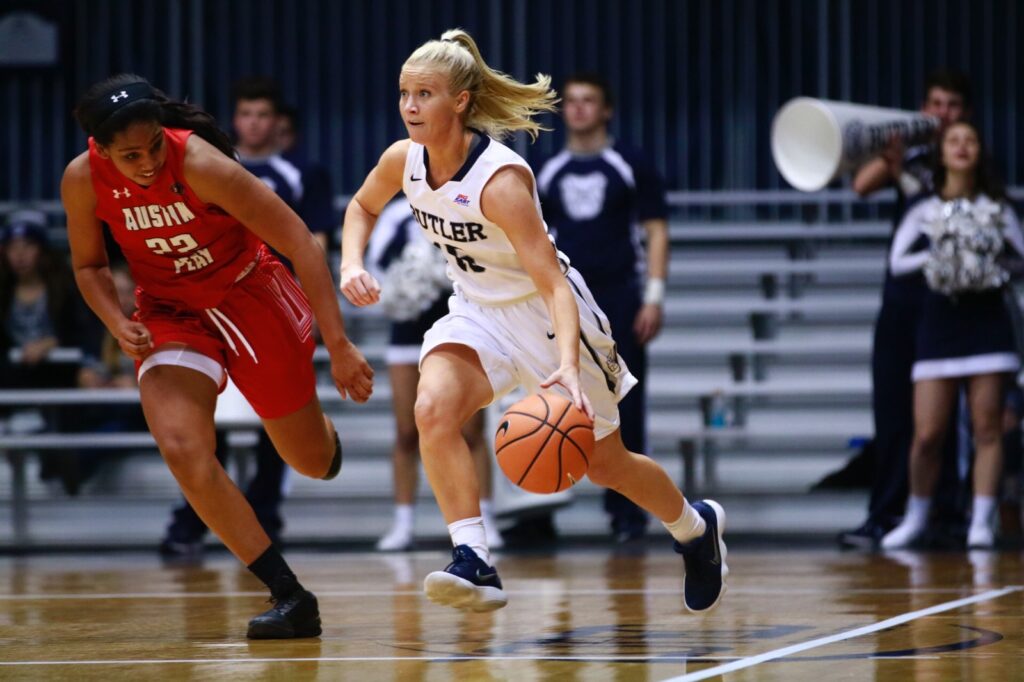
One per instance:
(352, 374)
(647, 323)
(568, 377)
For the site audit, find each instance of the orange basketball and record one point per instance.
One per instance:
(544, 443)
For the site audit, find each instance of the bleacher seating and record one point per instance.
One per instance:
(774, 318)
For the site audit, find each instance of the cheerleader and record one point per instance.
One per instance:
(961, 237)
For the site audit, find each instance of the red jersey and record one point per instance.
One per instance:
(177, 246)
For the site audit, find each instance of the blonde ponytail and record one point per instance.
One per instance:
(498, 104)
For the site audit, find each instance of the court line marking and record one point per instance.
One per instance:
(417, 591)
(751, 661)
(366, 659)
(738, 664)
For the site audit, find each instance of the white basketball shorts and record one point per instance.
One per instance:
(516, 346)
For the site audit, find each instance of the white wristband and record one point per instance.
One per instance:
(654, 291)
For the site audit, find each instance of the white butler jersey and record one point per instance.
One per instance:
(481, 260)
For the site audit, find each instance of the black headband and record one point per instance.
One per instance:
(121, 96)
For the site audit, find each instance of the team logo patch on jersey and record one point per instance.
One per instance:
(612, 360)
(583, 195)
(462, 200)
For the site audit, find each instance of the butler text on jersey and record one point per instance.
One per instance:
(456, 232)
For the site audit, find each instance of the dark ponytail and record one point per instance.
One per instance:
(111, 106)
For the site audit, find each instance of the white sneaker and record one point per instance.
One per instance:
(980, 537)
(902, 536)
(398, 539)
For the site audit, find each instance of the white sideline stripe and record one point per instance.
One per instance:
(417, 592)
(439, 658)
(842, 636)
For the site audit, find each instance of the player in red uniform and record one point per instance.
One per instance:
(212, 301)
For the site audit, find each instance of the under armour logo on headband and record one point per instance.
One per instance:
(119, 96)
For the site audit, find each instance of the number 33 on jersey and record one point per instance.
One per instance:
(179, 247)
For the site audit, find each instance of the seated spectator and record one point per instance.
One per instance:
(40, 309)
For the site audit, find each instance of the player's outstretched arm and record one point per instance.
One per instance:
(218, 180)
(381, 185)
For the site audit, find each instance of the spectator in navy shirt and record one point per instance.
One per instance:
(602, 199)
(257, 111)
(317, 207)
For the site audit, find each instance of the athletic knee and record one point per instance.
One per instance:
(189, 456)
(928, 440)
(316, 462)
(605, 471)
(433, 415)
(987, 432)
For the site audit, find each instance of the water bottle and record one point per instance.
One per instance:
(718, 414)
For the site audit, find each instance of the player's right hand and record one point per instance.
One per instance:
(568, 377)
(360, 287)
(134, 339)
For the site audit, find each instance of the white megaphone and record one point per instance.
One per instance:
(815, 140)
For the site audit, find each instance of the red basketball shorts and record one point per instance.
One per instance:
(260, 335)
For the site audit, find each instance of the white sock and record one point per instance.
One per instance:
(982, 510)
(403, 516)
(486, 508)
(917, 511)
(688, 526)
(471, 532)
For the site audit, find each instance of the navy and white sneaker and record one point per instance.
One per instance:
(704, 561)
(467, 583)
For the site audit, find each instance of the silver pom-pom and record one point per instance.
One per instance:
(413, 281)
(966, 241)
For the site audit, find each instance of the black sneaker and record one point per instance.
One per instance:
(629, 528)
(466, 583)
(184, 550)
(291, 617)
(704, 561)
(866, 537)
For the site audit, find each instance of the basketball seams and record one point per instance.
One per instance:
(533, 416)
(545, 449)
(566, 436)
(560, 455)
(519, 438)
(543, 445)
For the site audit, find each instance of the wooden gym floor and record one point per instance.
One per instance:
(581, 614)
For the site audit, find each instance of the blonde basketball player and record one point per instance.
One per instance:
(520, 315)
